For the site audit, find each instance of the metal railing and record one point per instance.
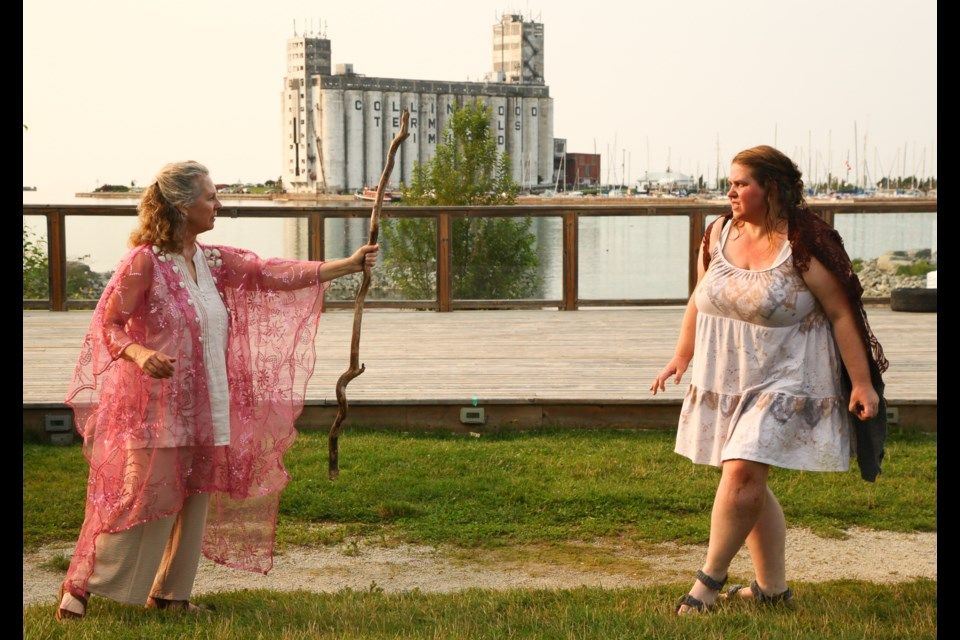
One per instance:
(696, 213)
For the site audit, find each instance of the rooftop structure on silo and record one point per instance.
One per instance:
(518, 50)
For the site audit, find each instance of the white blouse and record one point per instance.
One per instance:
(212, 317)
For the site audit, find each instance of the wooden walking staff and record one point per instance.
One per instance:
(355, 368)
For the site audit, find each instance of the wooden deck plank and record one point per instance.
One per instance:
(520, 356)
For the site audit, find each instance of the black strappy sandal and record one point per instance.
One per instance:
(696, 603)
(178, 605)
(758, 596)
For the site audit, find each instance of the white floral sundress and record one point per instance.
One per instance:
(765, 383)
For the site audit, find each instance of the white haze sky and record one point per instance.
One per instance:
(113, 89)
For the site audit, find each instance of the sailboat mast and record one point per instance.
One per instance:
(829, 157)
(923, 166)
(913, 165)
(816, 171)
(856, 161)
(716, 180)
(613, 158)
(865, 173)
(903, 170)
(623, 167)
(561, 168)
(648, 154)
(608, 164)
(877, 162)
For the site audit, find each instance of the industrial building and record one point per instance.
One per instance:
(338, 124)
(582, 170)
(573, 171)
(665, 182)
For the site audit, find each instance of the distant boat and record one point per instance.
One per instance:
(371, 195)
(29, 188)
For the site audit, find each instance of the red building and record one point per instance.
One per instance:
(583, 170)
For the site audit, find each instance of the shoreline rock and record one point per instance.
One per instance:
(878, 276)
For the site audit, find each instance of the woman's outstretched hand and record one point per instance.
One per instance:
(365, 257)
(675, 367)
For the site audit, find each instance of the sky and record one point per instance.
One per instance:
(114, 89)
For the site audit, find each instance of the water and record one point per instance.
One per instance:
(620, 257)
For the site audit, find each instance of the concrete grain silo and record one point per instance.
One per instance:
(353, 106)
(337, 126)
(391, 105)
(429, 133)
(332, 140)
(531, 148)
(515, 136)
(545, 141)
(373, 136)
(410, 148)
(498, 122)
(446, 104)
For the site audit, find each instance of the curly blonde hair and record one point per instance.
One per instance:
(160, 221)
(781, 178)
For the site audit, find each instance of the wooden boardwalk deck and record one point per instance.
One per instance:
(535, 365)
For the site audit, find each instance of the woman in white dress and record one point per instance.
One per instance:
(773, 322)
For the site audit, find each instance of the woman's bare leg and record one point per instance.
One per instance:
(767, 544)
(738, 504)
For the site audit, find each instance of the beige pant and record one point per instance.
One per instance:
(158, 558)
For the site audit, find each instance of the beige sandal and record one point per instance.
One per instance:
(65, 614)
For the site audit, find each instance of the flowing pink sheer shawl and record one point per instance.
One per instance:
(149, 443)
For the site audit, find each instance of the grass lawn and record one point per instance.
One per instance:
(495, 492)
(545, 486)
(825, 611)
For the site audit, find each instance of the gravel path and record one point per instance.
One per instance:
(878, 556)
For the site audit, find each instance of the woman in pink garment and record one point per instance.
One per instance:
(186, 391)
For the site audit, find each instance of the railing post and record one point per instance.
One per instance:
(697, 221)
(315, 237)
(57, 260)
(571, 283)
(828, 216)
(444, 262)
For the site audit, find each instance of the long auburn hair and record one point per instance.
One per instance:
(160, 221)
(780, 177)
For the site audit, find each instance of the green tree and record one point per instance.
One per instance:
(493, 258)
(82, 282)
(34, 267)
